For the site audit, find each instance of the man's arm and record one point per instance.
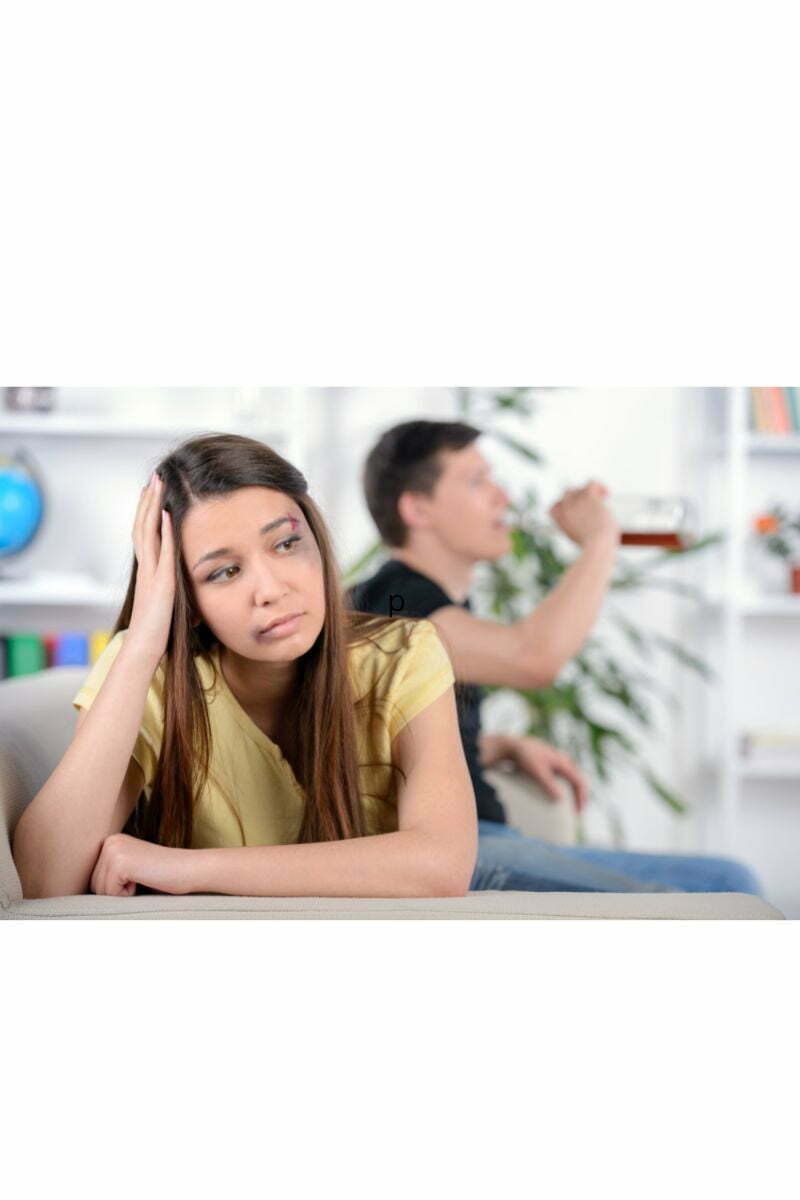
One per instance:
(530, 653)
(536, 758)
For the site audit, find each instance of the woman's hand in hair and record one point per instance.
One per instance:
(154, 546)
(126, 861)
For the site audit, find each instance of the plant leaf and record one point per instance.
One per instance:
(634, 635)
(663, 792)
(612, 683)
(514, 400)
(357, 567)
(668, 585)
(562, 712)
(684, 657)
(514, 444)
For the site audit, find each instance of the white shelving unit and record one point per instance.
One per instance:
(751, 605)
(753, 769)
(771, 443)
(58, 589)
(54, 424)
(771, 606)
(281, 420)
(747, 614)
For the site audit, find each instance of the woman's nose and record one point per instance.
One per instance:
(268, 585)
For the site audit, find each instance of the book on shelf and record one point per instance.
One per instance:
(769, 743)
(26, 653)
(775, 409)
(759, 411)
(793, 398)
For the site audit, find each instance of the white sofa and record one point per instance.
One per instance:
(36, 724)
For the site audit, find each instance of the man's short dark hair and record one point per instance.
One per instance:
(406, 459)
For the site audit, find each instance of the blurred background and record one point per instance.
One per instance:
(683, 706)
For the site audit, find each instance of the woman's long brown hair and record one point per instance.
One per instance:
(321, 720)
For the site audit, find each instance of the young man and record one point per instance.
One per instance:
(431, 495)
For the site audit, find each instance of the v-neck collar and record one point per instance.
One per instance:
(246, 722)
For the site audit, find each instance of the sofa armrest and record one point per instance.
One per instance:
(12, 802)
(530, 810)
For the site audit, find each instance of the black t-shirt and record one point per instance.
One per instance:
(397, 591)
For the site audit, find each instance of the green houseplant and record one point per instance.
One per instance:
(566, 713)
(777, 533)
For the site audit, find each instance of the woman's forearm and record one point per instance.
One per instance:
(405, 863)
(59, 836)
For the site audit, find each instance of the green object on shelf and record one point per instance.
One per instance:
(24, 654)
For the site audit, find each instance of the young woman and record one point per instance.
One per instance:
(247, 734)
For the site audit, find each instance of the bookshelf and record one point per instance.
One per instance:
(68, 443)
(770, 769)
(754, 626)
(771, 606)
(772, 443)
(59, 589)
(54, 424)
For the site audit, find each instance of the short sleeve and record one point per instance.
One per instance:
(398, 591)
(424, 674)
(419, 596)
(147, 747)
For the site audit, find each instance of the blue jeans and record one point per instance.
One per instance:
(510, 862)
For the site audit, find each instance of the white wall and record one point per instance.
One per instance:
(346, 423)
(634, 440)
(631, 440)
(651, 441)
(92, 482)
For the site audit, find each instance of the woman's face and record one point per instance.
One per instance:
(254, 562)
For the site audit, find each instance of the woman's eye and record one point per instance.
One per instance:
(222, 573)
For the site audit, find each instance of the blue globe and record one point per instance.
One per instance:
(20, 507)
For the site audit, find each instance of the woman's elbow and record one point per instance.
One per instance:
(454, 873)
(32, 885)
(455, 885)
(33, 880)
(38, 878)
(27, 858)
(35, 891)
(44, 888)
(24, 865)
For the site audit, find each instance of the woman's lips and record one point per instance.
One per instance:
(283, 629)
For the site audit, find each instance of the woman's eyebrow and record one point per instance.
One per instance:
(293, 521)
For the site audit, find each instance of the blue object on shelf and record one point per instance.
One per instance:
(71, 650)
(21, 504)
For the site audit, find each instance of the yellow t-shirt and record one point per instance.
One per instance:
(251, 797)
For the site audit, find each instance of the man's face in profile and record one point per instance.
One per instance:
(467, 508)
